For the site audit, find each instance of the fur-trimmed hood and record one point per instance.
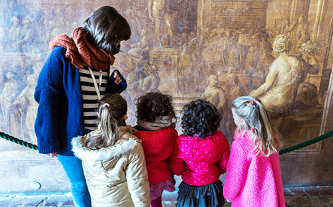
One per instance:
(126, 143)
(116, 176)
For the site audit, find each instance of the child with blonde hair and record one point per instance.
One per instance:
(112, 158)
(253, 172)
(200, 155)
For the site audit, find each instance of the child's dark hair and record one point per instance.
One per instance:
(106, 28)
(200, 119)
(111, 110)
(153, 105)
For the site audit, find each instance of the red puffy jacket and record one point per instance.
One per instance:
(200, 161)
(158, 146)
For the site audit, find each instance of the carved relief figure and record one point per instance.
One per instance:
(232, 50)
(143, 78)
(135, 77)
(144, 44)
(141, 49)
(14, 34)
(234, 89)
(308, 50)
(305, 108)
(223, 46)
(3, 34)
(286, 27)
(156, 9)
(185, 65)
(211, 53)
(302, 31)
(27, 36)
(265, 59)
(26, 106)
(253, 50)
(152, 80)
(12, 88)
(217, 96)
(8, 9)
(285, 75)
(242, 46)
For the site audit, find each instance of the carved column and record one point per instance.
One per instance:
(319, 15)
(327, 122)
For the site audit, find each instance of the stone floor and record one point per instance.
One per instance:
(314, 196)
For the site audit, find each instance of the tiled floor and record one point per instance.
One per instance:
(314, 196)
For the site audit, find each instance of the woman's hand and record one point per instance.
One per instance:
(117, 77)
(52, 154)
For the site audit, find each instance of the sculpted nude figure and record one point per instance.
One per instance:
(285, 75)
(156, 10)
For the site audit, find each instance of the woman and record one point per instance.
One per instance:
(67, 90)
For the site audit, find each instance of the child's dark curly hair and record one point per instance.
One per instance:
(200, 119)
(153, 105)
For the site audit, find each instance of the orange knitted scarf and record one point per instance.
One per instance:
(81, 51)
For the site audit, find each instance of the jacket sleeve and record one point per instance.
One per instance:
(112, 87)
(137, 178)
(225, 155)
(176, 163)
(47, 94)
(236, 171)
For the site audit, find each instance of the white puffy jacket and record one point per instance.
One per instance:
(116, 176)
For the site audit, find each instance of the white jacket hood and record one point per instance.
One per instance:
(126, 143)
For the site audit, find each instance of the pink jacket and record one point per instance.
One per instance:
(252, 180)
(200, 161)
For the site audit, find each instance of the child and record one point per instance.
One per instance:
(253, 172)
(113, 159)
(155, 114)
(200, 155)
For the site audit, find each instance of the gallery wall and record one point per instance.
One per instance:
(215, 50)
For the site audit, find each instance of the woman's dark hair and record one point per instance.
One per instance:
(106, 28)
(153, 105)
(200, 119)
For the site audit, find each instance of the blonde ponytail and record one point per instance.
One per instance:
(112, 109)
(271, 140)
(108, 126)
(265, 138)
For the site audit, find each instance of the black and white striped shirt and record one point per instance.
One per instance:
(89, 95)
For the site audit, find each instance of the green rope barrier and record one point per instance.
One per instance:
(281, 152)
(18, 141)
(309, 142)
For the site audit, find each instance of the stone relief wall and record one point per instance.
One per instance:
(217, 50)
